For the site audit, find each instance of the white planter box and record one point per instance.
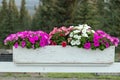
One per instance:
(61, 55)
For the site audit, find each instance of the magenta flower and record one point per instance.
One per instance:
(36, 38)
(107, 44)
(23, 44)
(16, 45)
(101, 32)
(42, 43)
(87, 45)
(32, 40)
(31, 36)
(96, 44)
(116, 41)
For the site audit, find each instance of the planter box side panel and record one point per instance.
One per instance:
(60, 55)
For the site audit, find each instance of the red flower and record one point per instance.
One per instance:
(61, 34)
(64, 44)
(53, 43)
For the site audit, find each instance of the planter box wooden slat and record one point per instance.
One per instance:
(61, 55)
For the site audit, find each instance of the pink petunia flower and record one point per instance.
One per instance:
(96, 44)
(87, 45)
(23, 44)
(16, 45)
(116, 41)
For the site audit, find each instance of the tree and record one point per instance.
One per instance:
(85, 13)
(104, 16)
(25, 18)
(13, 16)
(53, 13)
(115, 10)
(4, 21)
(109, 16)
(44, 18)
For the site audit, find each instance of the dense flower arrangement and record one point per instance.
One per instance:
(59, 36)
(29, 39)
(82, 36)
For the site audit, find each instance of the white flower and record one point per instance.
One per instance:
(76, 31)
(88, 30)
(73, 42)
(84, 31)
(80, 27)
(77, 37)
(77, 42)
(92, 31)
(71, 34)
(86, 26)
(85, 35)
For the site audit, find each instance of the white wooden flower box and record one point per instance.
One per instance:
(60, 55)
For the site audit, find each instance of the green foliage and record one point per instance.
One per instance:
(25, 18)
(109, 16)
(13, 16)
(4, 21)
(85, 12)
(59, 37)
(52, 13)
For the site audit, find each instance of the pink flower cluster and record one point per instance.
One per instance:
(21, 38)
(59, 36)
(102, 38)
(61, 29)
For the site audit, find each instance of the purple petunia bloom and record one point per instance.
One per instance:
(96, 44)
(23, 44)
(36, 38)
(107, 44)
(42, 43)
(16, 45)
(31, 36)
(87, 45)
(32, 40)
(102, 33)
(116, 41)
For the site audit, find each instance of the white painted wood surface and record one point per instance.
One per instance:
(60, 55)
(11, 67)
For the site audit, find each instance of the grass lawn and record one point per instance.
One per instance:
(78, 76)
(82, 76)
